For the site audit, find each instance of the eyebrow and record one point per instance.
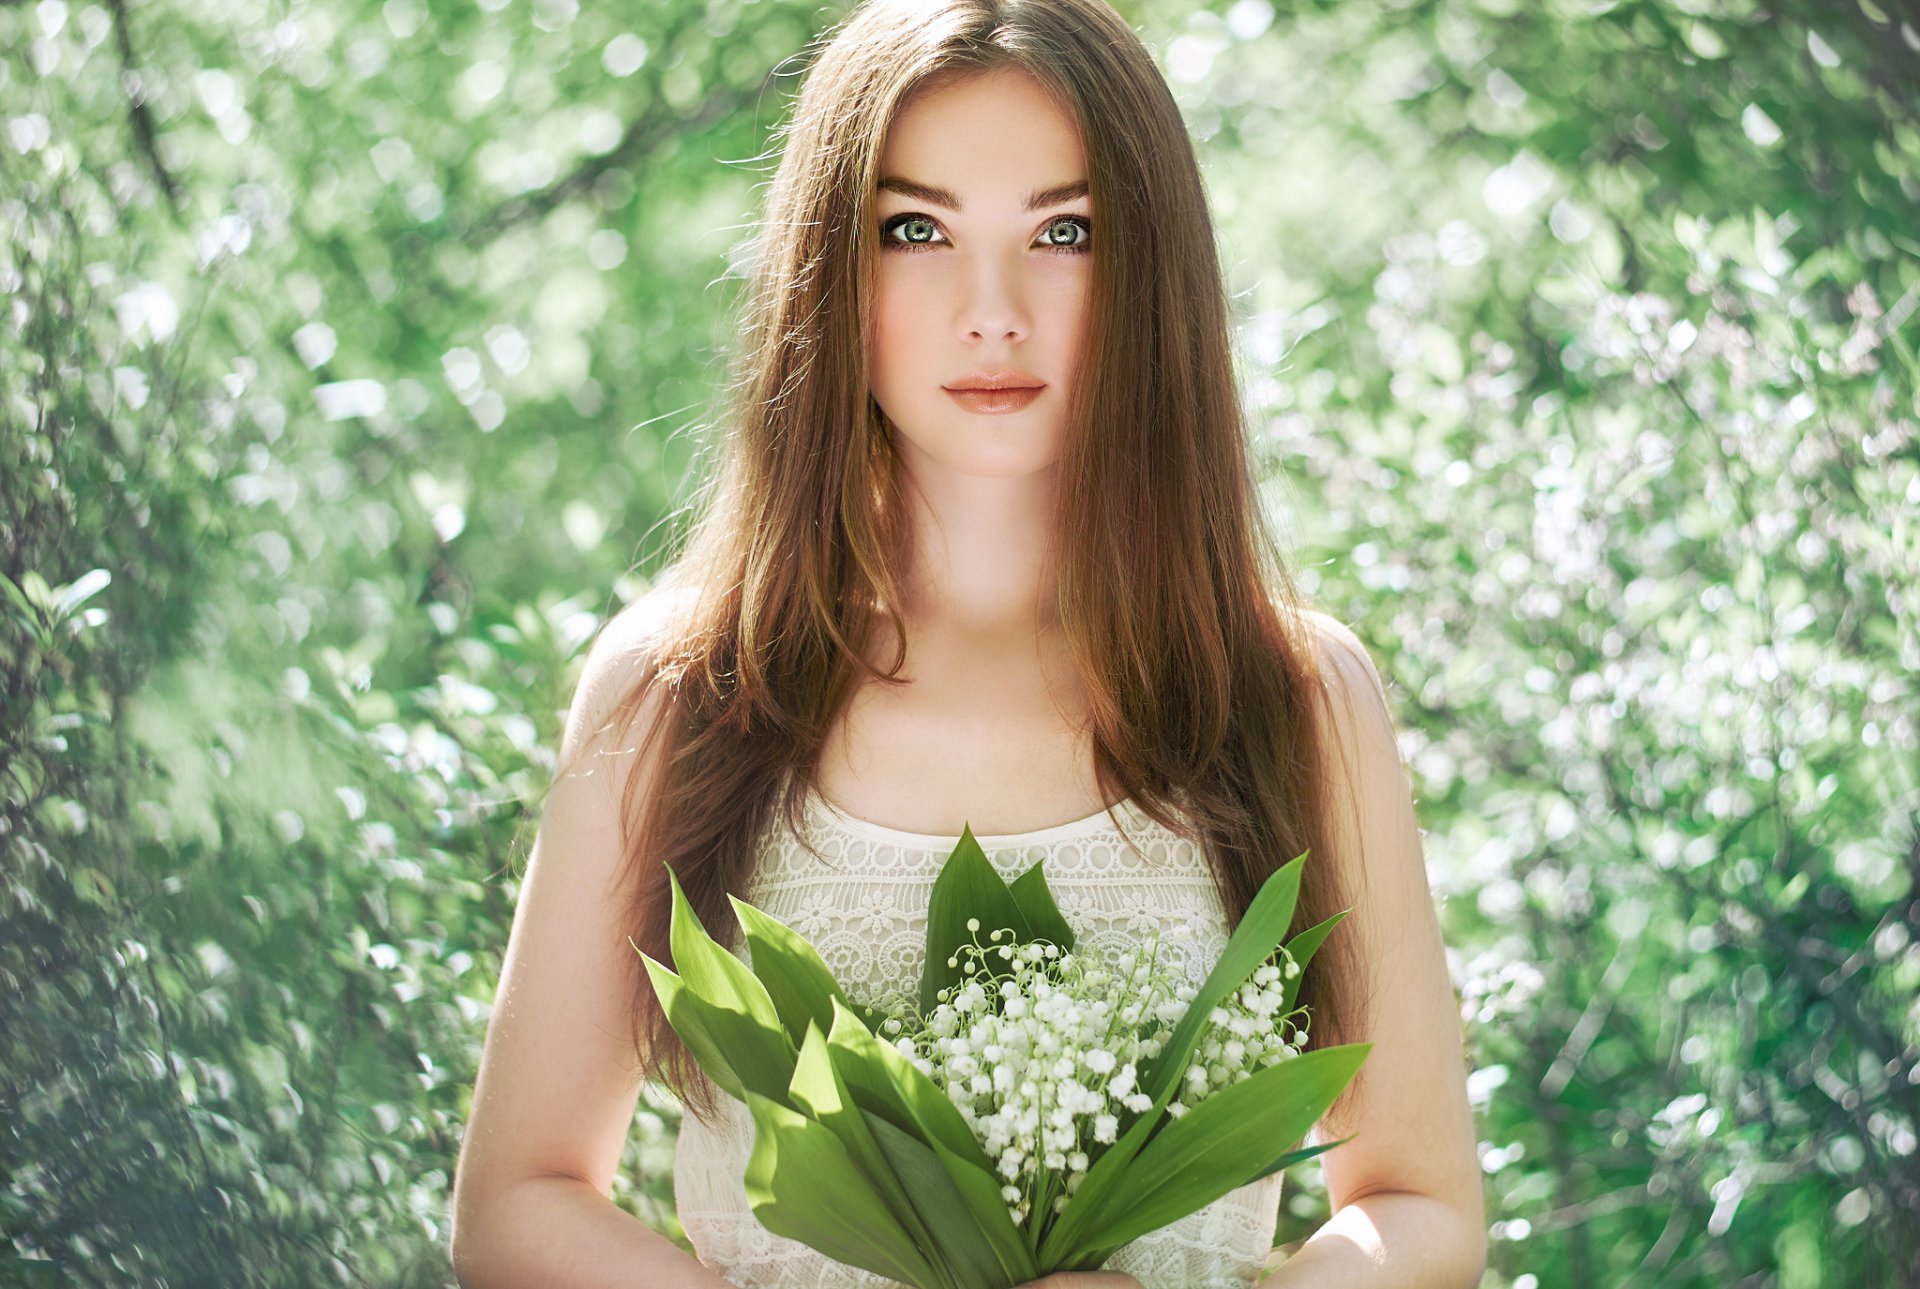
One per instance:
(945, 198)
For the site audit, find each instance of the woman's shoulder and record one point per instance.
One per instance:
(1354, 699)
(1338, 647)
(622, 660)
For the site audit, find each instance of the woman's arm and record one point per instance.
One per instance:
(557, 1088)
(1408, 1208)
(561, 1231)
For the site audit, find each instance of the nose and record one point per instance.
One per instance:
(993, 307)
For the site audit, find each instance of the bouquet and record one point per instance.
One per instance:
(1035, 1112)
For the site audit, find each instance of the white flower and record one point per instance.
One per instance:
(1041, 1050)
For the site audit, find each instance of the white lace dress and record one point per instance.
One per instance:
(862, 904)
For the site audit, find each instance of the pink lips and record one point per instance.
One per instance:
(1005, 379)
(995, 391)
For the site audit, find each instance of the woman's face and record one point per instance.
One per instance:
(985, 229)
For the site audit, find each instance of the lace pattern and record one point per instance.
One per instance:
(862, 902)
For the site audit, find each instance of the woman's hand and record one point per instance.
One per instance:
(1084, 1280)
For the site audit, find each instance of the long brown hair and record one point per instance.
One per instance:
(1178, 608)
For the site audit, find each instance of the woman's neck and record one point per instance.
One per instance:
(980, 562)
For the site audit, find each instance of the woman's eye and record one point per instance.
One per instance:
(1070, 233)
(1081, 223)
(919, 228)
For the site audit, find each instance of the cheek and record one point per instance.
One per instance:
(897, 320)
(1068, 319)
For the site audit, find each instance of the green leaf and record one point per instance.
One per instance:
(796, 979)
(983, 1255)
(1036, 904)
(28, 614)
(884, 1081)
(819, 1091)
(730, 1047)
(802, 1184)
(1224, 1142)
(1301, 949)
(968, 886)
(36, 590)
(1260, 932)
(1293, 1157)
(726, 1009)
(980, 1191)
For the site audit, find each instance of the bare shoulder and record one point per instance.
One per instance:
(620, 659)
(1357, 698)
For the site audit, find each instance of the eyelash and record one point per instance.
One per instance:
(889, 243)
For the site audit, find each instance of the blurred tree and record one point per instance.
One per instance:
(1578, 344)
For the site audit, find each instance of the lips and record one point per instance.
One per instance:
(995, 400)
(990, 380)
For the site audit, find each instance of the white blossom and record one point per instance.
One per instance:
(1042, 1051)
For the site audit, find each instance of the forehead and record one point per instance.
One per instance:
(987, 136)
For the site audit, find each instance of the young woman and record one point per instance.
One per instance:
(983, 548)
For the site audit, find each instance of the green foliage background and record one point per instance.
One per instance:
(354, 356)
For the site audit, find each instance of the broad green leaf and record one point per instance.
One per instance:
(1036, 903)
(713, 973)
(968, 887)
(19, 598)
(1224, 1142)
(884, 1081)
(980, 1191)
(1260, 932)
(737, 1051)
(802, 1184)
(819, 1091)
(725, 1005)
(796, 979)
(983, 1256)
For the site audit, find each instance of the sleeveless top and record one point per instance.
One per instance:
(862, 903)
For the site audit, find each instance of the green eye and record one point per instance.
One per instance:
(921, 229)
(1078, 222)
(923, 233)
